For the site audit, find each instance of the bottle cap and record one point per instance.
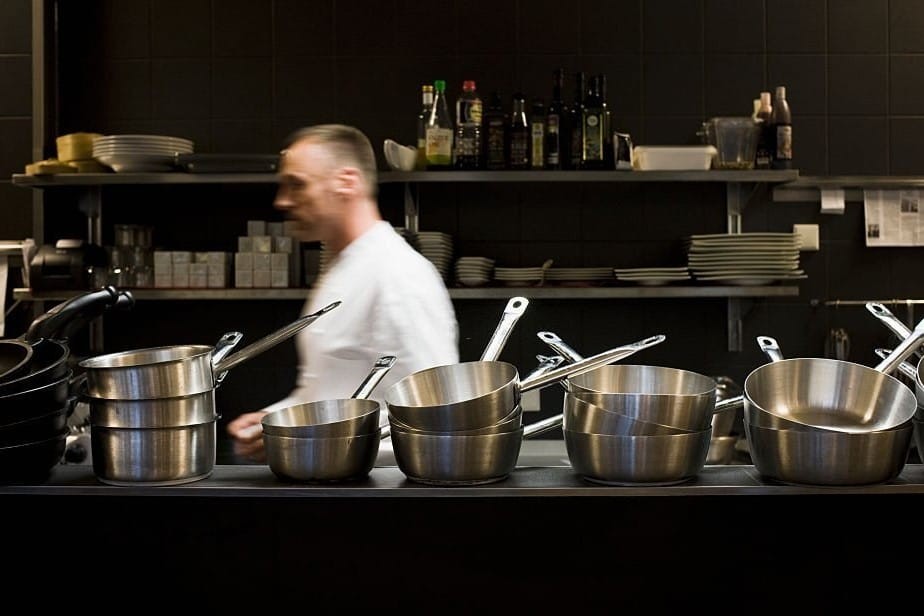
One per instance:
(781, 91)
(765, 99)
(439, 85)
(468, 85)
(427, 87)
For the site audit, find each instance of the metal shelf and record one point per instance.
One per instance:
(808, 188)
(579, 293)
(111, 179)
(768, 176)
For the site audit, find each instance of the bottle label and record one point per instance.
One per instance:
(519, 150)
(593, 137)
(537, 131)
(496, 138)
(469, 111)
(439, 146)
(552, 143)
(784, 142)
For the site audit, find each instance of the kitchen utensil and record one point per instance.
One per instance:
(32, 460)
(895, 325)
(721, 449)
(811, 394)
(320, 460)
(735, 141)
(583, 416)
(152, 413)
(332, 418)
(179, 370)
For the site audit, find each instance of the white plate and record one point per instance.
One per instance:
(748, 235)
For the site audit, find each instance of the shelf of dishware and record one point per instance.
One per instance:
(62, 180)
(477, 293)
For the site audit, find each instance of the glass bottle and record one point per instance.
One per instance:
(518, 137)
(593, 124)
(765, 132)
(576, 123)
(426, 95)
(495, 129)
(556, 123)
(781, 124)
(439, 130)
(468, 146)
(537, 120)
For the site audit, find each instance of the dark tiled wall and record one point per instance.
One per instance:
(237, 75)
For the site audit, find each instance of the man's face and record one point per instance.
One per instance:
(306, 193)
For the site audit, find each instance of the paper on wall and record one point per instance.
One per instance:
(893, 217)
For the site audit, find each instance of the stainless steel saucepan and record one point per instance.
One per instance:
(179, 370)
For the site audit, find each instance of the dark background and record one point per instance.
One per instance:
(238, 75)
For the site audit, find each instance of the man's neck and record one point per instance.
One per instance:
(365, 216)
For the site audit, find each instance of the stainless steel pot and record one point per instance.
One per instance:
(180, 370)
(583, 416)
(155, 413)
(322, 460)
(153, 456)
(810, 394)
(478, 394)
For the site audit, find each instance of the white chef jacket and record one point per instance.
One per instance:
(394, 303)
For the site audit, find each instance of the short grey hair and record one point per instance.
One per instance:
(348, 145)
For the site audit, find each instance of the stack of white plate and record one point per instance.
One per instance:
(139, 153)
(745, 258)
(520, 276)
(474, 271)
(578, 275)
(651, 276)
(437, 247)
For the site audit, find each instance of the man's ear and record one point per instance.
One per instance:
(349, 181)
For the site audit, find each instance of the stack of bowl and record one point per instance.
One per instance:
(816, 421)
(327, 440)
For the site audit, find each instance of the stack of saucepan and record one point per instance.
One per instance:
(36, 384)
(635, 424)
(461, 424)
(816, 421)
(152, 411)
(327, 440)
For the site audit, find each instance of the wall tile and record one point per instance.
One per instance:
(905, 18)
(123, 90)
(368, 29)
(610, 26)
(418, 28)
(551, 213)
(906, 85)
(17, 211)
(906, 146)
(181, 28)
(796, 26)
(860, 272)
(486, 213)
(199, 131)
(15, 76)
(810, 145)
(304, 28)
(907, 264)
(536, 71)
(305, 88)
(243, 136)
(734, 26)
(804, 78)
(180, 88)
(542, 29)
(496, 20)
(670, 130)
(242, 28)
(733, 81)
(356, 78)
(15, 26)
(242, 88)
(858, 146)
(673, 27)
(623, 81)
(856, 26)
(15, 146)
(490, 72)
(673, 85)
(856, 84)
(125, 28)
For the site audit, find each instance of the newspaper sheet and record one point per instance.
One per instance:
(893, 217)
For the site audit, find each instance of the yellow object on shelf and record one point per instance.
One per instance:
(49, 166)
(76, 146)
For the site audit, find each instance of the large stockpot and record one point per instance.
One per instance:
(332, 418)
(478, 394)
(810, 394)
(178, 370)
(153, 456)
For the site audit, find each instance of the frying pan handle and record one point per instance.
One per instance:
(224, 346)
(558, 345)
(382, 366)
(268, 342)
(895, 325)
(541, 427)
(512, 313)
(81, 308)
(729, 403)
(770, 348)
(906, 367)
(903, 351)
(588, 364)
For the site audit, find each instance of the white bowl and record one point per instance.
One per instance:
(400, 157)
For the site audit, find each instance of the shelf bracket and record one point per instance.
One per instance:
(737, 308)
(89, 203)
(411, 213)
(737, 196)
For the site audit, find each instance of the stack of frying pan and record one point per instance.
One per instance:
(36, 384)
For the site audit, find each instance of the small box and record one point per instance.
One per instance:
(217, 270)
(181, 256)
(217, 281)
(262, 261)
(256, 227)
(280, 261)
(243, 279)
(162, 258)
(181, 269)
(289, 227)
(200, 257)
(197, 269)
(181, 281)
(261, 279)
(216, 257)
(279, 279)
(262, 243)
(198, 281)
(283, 243)
(244, 244)
(163, 269)
(163, 281)
(243, 262)
(274, 228)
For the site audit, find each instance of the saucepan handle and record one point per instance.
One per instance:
(558, 345)
(906, 367)
(224, 346)
(382, 366)
(512, 313)
(543, 426)
(905, 349)
(770, 348)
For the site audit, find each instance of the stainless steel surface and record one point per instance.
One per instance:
(224, 346)
(153, 456)
(829, 458)
(477, 394)
(721, 449)
(811, 394)
(510, 423)
(638, 460)
(559, 346)
(583, 416)
(319, 460)
(155, 413)
(512, 313)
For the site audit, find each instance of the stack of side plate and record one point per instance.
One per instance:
(651, 276)
(139, 153)
(745, 258)
(578, 275)
(474, 271)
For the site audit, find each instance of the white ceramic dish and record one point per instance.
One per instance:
(673, 158)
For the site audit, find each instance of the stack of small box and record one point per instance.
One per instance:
(268, 256)
(188, 269)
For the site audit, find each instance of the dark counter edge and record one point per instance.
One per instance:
(389, 482)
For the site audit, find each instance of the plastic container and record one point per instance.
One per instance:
(735, 139)
(673, 158)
